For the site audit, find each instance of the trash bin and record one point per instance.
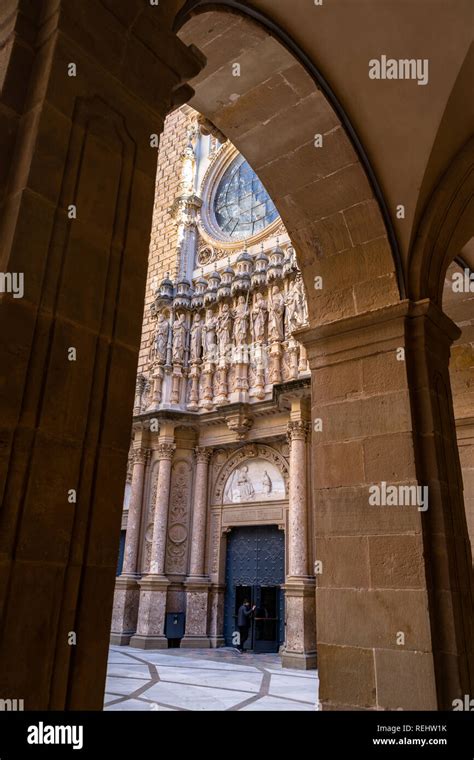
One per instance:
(174, 628)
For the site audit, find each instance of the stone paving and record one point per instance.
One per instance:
(205, 679)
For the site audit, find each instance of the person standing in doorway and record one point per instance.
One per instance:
(243, 623)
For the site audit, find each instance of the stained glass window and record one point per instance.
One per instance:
(242, 206)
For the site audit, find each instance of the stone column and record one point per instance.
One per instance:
(300, 644)
(197, 584)
(394, 588)
(127, 591)
(153, 587)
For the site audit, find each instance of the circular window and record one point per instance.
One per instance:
(242, 206)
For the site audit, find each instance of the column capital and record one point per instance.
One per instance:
(165, 450)
(203, 454)
(140, 456)
(298, 430)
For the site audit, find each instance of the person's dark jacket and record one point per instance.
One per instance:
(243, 616)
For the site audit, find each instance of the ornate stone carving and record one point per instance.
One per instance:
(159, 340)
(179, 339)
(296, 307)
(298, 430)
(215, 532)
(203, 454)
(148, 538)
(180, 493)
(165, 450)
(259, 318)
(276, 310)
(210, 336)
(239, 424)
(255, 480)
(224, 327)
(196, 338)
(250, 451)
(139, 456)
(241, 321)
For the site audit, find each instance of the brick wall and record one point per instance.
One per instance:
(163, 241)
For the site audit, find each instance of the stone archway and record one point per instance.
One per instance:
(274, 113)
(446, 226)
(364, 347)
(58, 557)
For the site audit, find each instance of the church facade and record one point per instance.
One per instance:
(217, 502)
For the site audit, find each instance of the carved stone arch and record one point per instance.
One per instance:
(249, 451)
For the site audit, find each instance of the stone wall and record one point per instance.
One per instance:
(163, 241)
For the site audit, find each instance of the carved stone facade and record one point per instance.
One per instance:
(221, 381)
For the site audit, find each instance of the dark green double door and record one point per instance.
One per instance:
(255, 570)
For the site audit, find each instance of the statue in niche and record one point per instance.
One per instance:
(301, 300)
(244, 484)
(179, 339)
(266, 483)
(196, 338)
(224, 328)
(210, 335)
(294, 311)
(159, 340)
(241, 319)
(276, 301)
(259, 318)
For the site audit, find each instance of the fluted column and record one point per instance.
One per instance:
(300, 644)
(130, 555)
(197, 584)
(198, 544)
(158, 547)
(298, 500)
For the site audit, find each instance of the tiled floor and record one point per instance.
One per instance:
(205, 679)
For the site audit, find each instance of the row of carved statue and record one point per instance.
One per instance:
(252, 319)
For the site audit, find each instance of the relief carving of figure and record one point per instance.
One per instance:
(196, 338)
(259, 318)
(241, 321)
(224, 328)
(244, 484)
(294, 307)
(159, 341)
(179, 338)
(275, 317)
(301, 298)
(266, 483)
(210, 335)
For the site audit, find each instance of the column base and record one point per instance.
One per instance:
(195, 642)
(125, 609)
(197, 605)
(150, 633)
(217, 641)
(300, 645)
(148, 642)
(299, 660)
(120, 639)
